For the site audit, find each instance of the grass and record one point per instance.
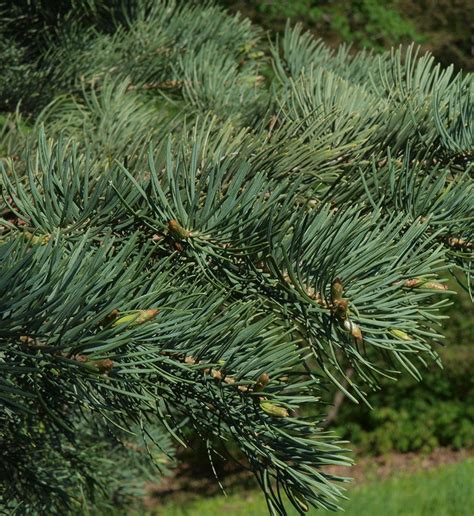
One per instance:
(446, 491)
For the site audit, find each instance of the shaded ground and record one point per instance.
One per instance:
(189, 483)
(368, 468)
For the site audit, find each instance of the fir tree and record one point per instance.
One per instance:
(202, 232)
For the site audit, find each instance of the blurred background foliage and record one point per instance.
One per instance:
(444, 27)
(420, 416)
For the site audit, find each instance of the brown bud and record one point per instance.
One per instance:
(413, 282)
(178, 247)
(139, 317)
(460, 243)
(30, 341)
(217, 375)
(103, 366)
(146, 315)
(424, 283)
(336, 290)
(341, 308)
(353, 329)
(262, 382)
(177, 231)
(110, 317)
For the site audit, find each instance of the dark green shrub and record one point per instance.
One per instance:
(412, 416)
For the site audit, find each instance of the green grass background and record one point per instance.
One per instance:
(445, 491)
